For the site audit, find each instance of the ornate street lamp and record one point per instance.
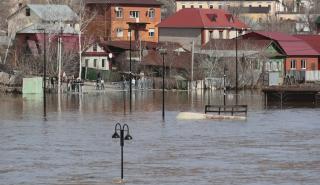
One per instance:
(116, 135)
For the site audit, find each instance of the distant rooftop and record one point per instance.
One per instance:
(131, 2)
(51, 12)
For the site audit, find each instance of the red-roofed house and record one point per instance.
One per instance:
(199, 25)
(314, 42)
(301, 57)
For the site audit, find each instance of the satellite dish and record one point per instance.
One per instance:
(110, 55)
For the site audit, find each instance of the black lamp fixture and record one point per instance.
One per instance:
(116, 135)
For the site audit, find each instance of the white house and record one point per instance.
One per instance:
(96, 57)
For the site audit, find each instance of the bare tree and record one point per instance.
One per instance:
(85, 18)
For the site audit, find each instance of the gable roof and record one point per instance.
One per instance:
(202, 18)
(291, 45)
(51, 12)
(123, 2)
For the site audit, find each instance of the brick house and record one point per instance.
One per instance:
(300, 57)
(114, 16)
(199, 25)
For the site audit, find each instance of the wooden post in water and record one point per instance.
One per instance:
(281, 99)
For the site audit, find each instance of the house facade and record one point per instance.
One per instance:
(256, 58)
(113, 18)
(95, 59)
(29, 23)
(200, 25)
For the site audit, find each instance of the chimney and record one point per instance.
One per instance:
(20, 5)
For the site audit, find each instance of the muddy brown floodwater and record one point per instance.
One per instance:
(73, 146)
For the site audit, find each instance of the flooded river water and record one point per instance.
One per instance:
(73, 146)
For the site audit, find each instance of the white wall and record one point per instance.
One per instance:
(313, 75)
(99, 62)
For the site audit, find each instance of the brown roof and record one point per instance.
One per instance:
(243, 44)
(123, 2)
(179, 60)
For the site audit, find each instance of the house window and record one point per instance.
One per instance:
(119, 12)
(293, 64)
(183, 6)
(220, 34)
(210, 34)
(103, 62)
(303, 64)
(191, 6)
(134, 14)
(28, 12)
(87, 62)
(220, 6)
(95, 47)
(200, 6)
(119, 32)
(151, 13)
(211, 6)
(151, 32)
(94, 62)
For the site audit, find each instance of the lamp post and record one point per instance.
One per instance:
(116, 135)
(130, 74)
(236, 29)
(44, 72)
(224, 85)
(163, 52)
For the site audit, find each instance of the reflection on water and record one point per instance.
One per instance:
(74, 145)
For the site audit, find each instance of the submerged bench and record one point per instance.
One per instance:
(222, 109)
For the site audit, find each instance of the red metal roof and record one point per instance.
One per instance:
(291, 45)
(312, 40)
(201, 18)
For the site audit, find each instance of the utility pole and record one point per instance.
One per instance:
(224, 85)
(44, 74)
